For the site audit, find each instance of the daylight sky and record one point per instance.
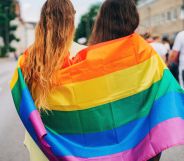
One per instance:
(31, 8)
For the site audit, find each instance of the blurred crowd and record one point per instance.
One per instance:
(172, 52)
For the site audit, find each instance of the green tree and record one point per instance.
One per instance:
(7, 14)
(87, 20)
(136, 1)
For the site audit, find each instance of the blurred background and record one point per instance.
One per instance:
(18, 18)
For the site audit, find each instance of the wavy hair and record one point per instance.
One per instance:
(53, 38)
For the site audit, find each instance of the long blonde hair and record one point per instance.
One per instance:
(53, 37)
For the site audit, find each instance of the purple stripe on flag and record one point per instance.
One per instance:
(37, 124)
(41, 132)
(165, 135)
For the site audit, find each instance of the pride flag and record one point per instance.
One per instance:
(119, 103)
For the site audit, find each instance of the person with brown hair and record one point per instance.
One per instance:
(116, 19)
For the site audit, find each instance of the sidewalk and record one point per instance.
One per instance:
(11, 128)
(7, 66)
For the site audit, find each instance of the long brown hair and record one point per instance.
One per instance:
(116, 19)
(53, 37)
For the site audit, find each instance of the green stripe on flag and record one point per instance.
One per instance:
(111, 115)
(17, 90)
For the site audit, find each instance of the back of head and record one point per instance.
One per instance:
(54, 35)
(165, 39)
(156, 38)
(116, 19)
(146, 35)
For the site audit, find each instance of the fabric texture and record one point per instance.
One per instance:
(119, 102)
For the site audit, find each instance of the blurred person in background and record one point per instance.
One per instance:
(147, 36)
(159, 47)
(166, 42)
(177, 56)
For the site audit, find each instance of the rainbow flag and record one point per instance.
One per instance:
(119, 103)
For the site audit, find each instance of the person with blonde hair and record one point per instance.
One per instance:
(49, 52)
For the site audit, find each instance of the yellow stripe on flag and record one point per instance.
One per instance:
(87, 94)
(15, 76)
(14, 79)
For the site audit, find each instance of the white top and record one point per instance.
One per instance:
(159, 48)
(75, 48)
(167, 46)
(179, 47)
